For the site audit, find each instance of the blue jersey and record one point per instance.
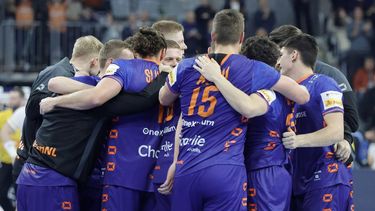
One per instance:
(166, 149)
(134, 139)
(89, 80)
(213, 133)
(263, 147)
(317, 167)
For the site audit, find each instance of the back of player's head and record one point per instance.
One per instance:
(148, 42)
(228, 27)
(129, 42)
(86, 46)
(167, 26)
(111, 50)
(261, 49)
(283, 32)
(306, 46)
(172, 44)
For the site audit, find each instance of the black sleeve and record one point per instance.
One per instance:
(125, 103)
(350, 111)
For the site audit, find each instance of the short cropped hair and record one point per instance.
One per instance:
(86, 46)
(261, 49)
(167, 26)
(172, 44)
(283, 32)
(148, 42)
(111, 49)
(306, 45)
(228, 25)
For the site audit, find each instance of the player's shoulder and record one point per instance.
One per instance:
(324, 80)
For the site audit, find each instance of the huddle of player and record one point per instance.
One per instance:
(227, 131)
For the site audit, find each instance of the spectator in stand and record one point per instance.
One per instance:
(57, 21)
(238, 5)
(360, 33)
(40, 8)
(264, 19)
(192, 35)
(10, 9)
(364, 77)
(73, 15)
(337, 28)
(131, 26)
(203, 14)
(144, 19)
(24, 22)
(303, 15)
(74, 10)
(112, 31)
(10, 122)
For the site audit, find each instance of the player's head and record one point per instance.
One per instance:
(149, 43)
(173, 54)
(298, 52)
(86, 53)
(283, 32)
(261, 49)
(228, 28)
(114, 49)
(171, 30)
(16, 98)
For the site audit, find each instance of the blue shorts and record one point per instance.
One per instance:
(116, 198)
(163, 202)
(47, 198)
(269, 188)
(219, 187)
(90, 198)
(337, 197)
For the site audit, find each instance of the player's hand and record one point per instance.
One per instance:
(165, 68)
(166, 187)
(342, 151)
(290, 139)
(209, 68)
(46, 105)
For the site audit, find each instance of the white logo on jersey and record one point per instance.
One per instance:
(41, 87)
(331, 99)
(168, 146)
(343, 87)
(172, 76)
(268, 95)
(148, 131)
(148, 151)
(111, 69)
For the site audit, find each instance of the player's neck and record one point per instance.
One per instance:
(299, 72)
(80, 67)
(226, 49)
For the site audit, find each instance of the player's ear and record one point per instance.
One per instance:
(294, 55)
(242, 37)
(163, 53)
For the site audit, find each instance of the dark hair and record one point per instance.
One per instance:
(306, 46)
(261, 49)
(19, 90)
(148, 42)
(228, 25)
(167, 26)
(282, 33)
(129, 42)
(111, 49)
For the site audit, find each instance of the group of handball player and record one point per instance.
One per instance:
(132, 125)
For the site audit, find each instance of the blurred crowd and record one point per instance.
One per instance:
(36, 33)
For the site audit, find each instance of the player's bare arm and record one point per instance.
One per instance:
(247, 105)
(65, 85)
(166, 96)
(167, 186)
(291, 90)
(106, 89)
(333, 133)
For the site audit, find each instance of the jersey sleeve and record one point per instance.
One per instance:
(329, 96)
(263, 76)
(89, 80)
(117, 72)
(174, 79)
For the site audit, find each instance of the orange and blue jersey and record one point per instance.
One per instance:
(213, 133)
(133, 140)
(263, 147)
(317, 167)
(165, 157)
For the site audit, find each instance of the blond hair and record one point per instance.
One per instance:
(111, 49)
(172, 44)
(86, 46)
(167, 26)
